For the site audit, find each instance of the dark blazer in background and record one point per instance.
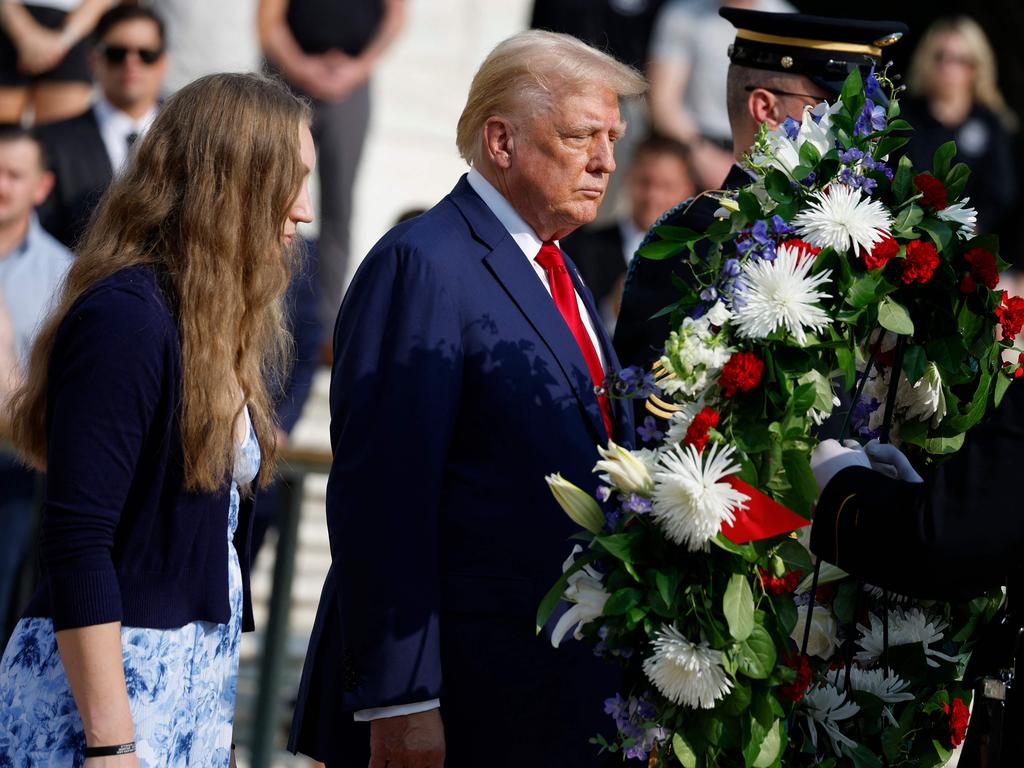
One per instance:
(598, 255)
(649, 289)
(457, 386)
(79, 160)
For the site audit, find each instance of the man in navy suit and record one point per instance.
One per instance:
(467, 352)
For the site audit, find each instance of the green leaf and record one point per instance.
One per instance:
(809, 154)
(903, 182)
(678, 234)
(738, 607)
(621, 601)
(746, 551)
(785, 613)
(749, 205)
(667, 582)
(738, 699)
(803, 398)
(778, 186)
(894, 317)
(1003, 383)
(753, 735)
(956, 180)
(915, 363)
(756, 655)
(890, 144)
(941, 159)
(684, 752)
(554, 595)
(771, 747)
(795, 556)
(660, 250)
(852, 94)
(939, 231)
(900, 125)
(861, 756)
(619, 545)
(801, 172)
(947, 352)
(908, 218)
(801, 480)
(944, 445)
(867, 289)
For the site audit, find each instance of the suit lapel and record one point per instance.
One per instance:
(104, 169)
(513, 271)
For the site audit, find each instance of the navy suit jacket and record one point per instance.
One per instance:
(457, 386)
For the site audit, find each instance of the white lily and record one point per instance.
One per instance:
(624, 470)
(784, 152)
(579, 505)
(586, 592)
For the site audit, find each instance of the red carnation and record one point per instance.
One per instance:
(802, 248)
(983, 266)
(933, 191)
(742, 372)
(795, 690)
(881, 252)
(1011, 316)
(967, 284)
(780, 585)
(703, 422)
(1018, 372)
(921, 261)
(959, 717)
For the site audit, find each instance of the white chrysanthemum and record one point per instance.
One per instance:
(894, 597)
(842, 217)
(905, 628)
(685, 673)
(586, 592)
(691, 501)
(826, 706)
(891, 689)
(681, 420)
(923, 400)
(780, 293)
(963, 216)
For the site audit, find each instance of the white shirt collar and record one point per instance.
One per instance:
(116, 126)
(527, 240)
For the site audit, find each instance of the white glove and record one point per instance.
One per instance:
(830, 457)
(891, 462)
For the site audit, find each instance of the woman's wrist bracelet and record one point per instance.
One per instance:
(111, 751)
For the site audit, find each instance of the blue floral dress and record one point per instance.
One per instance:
(181, 682)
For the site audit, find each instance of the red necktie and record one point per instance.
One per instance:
(564, 294)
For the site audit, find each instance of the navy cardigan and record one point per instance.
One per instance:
(121, 539)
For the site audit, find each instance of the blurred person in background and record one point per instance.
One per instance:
(658, 178)
(688, 70)
(147, 402)
(327, 50)
(43, 58)
(204, 37)
(32, 268)
(954, 96)
(129, 60)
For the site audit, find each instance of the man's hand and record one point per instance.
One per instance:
(409, 741)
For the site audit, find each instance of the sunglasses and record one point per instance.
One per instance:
(116, 54)
(945, 57)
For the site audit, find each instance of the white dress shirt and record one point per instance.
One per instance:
(631, 238)
(529, 243)
(115, 128)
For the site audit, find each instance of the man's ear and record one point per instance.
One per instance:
(498, 141)
(46, 182)
(764, 107)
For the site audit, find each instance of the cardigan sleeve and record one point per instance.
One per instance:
(106, 376)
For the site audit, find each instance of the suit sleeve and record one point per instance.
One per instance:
(106, 377)
(942, 539)
(394, 404)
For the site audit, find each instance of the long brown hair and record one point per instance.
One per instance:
(204, 201)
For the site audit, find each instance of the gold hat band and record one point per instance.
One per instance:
(800, 42)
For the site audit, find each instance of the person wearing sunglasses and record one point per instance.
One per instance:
(129, 61)
(955, 96)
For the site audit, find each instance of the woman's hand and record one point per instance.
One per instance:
(119, 761)
(40, 49)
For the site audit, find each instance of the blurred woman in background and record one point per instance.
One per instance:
(955, 96)
(146, 402)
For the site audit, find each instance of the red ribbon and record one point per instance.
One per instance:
(762, 519)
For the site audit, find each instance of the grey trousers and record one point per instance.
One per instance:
(339, 131)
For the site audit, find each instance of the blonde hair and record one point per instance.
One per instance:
(522, 74)
(985, 88)
(204, 202)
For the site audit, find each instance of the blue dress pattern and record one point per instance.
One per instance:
(181, 682)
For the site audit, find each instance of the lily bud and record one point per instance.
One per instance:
(579, 505)
(624, 470)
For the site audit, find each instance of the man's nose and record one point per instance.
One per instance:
(603, 160)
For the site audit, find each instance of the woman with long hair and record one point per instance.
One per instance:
(954, 95)
(147, 404)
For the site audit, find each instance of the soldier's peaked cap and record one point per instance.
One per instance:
(823, 48)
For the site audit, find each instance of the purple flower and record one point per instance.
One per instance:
(809, 179)
(617, 707)
(872, 118)
(851, 155)
(759, 232)
(709, 294)
(604, 493)
(780, 226)
(731, 268)
(872, 88)
(791, 127)
(648, 432)
(637, 504)
(868, 185)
